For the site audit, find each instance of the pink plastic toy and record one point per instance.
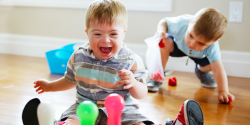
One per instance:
(114, 104)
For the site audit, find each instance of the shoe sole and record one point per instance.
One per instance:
(153, 89)
(193, 113)
(209, 86)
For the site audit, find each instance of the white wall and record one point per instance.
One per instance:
(31, 31)
(235, 63)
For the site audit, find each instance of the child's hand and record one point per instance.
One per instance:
(127, 78)
(41, 86)
(224, 97)
(163, 34)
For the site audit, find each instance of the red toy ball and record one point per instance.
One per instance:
(230, 101)
(161, 44)
(172, 81)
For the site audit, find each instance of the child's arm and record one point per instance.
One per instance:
(137, 89)
(221, 79)
(57, 85)
(162, 28)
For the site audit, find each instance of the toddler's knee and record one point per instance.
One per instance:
(168, 44)
(206, 68)
(139, 123)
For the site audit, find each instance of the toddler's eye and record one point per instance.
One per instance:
(201, 44)
(97, 34)
(113, 34)
(190, 36)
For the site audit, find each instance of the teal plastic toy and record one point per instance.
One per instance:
(57, 59)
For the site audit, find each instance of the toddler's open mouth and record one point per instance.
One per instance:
(106, 50)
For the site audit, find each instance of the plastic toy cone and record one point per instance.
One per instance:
(114, 104)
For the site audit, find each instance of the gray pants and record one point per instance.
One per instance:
(130, 116)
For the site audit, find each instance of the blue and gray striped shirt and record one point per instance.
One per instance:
(96, 79)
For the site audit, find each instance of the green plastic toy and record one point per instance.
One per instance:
(87, 112)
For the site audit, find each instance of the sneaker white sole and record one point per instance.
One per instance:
(185, 112)
(196, 111)
(209, 86)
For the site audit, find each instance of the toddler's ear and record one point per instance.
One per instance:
(124, 34)
(86, 31)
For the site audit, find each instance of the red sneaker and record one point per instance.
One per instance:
(190, 114)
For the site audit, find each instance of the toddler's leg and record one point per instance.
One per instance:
(206, 68)
(206, 79)
(139, 123)
(202, 72)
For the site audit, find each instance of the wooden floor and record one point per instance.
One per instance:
(17, 74)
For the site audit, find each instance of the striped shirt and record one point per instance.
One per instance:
(96, 79)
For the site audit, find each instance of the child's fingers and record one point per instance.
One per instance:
(124, 82)
(36, 85)
(39, 88)
(231, 97)
(123, 73)
(122, 70)
(120, 73)
(127, 86)
(37, 82)
(221, 99)
(125, 78)
(226, 99)
(163, 35)
(41, 92)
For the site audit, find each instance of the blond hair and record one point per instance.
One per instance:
(106, 11)
(209, 24)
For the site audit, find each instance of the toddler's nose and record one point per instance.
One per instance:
(106, 39)
(191, 45)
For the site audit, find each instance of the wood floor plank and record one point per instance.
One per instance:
(18, 73)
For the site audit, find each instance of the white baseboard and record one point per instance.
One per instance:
(32, 45)
(235, 63)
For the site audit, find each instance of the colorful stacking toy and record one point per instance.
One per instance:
(87, 112)
(114, 104)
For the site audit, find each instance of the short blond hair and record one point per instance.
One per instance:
(106, 11)
(209, 24)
